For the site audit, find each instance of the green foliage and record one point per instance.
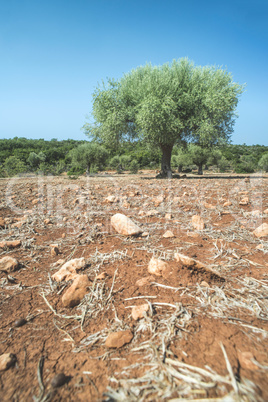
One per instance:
(223, 164)
(164, 105)
(89, 154)
(134, 166)
(76, 171)
(263, 162)
(13, 166)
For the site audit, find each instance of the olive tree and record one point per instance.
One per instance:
(88, 154)
(165, 105)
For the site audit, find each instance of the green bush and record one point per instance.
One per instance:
(76, 171)
(263, 162)
(134, 166)
(14, 166)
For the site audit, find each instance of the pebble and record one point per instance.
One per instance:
(20, 322)
(261, 231)
(59, 380)
(8, 264)
(7, 360)
(118, 339)
(124, 225)
(198, 222)
(157, 267)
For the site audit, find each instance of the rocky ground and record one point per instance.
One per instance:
(129, 288)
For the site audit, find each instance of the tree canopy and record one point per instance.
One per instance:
(166, 105)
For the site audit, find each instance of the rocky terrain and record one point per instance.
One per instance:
(129, 288)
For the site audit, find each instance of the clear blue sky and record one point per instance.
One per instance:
(54, 52)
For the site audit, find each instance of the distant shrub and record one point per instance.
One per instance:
(263, 162)
(134, 166)
(76, 171)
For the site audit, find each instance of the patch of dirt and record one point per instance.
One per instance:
(205, 334)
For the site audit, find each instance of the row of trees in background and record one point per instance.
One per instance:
(20, 155)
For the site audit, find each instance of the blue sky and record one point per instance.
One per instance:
(54, 52)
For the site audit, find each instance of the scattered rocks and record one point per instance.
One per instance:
(124, 225)
(261, 231)
(139, 311)
(198, 222)
(10, 244)
(74, 295)
(8, 264)
(227, 204)
(118, 339)
(7, 360)
(157, 267)
(69, 269)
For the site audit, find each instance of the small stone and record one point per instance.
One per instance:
(192, 234)
(261, 231)
(10, 244)
(111, 199)
(157, 267)
(124, 225)
(20, 322)
(59, 380)
(265, 211)
(63, 235)
(47, 221)
(69, 269)
(139, 311)
(118, 339)
(227, 204)
(198, 222)
(102, 276)
(2, 222)
(74, 295)
(204, 284)
(8, 264)
(54, 250)
(145, 234)
(209, 206)
(244, 201)
(7, 360)
(144, 281)
(168, 234)
(152, 212)
(188, 261)
(168, 216)
(245, 360)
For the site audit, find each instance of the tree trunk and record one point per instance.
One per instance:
(166, 161)
(88, 170)
(200, 169)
